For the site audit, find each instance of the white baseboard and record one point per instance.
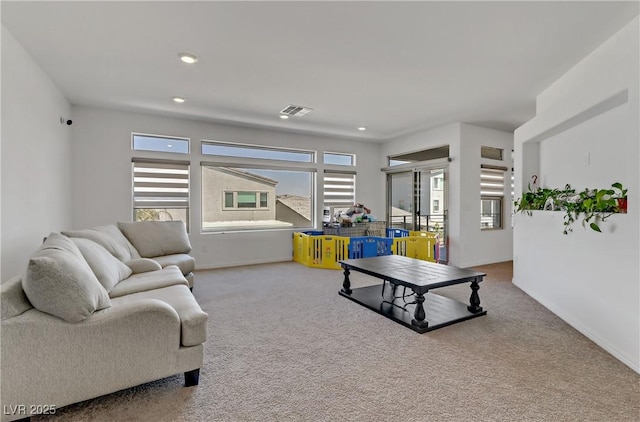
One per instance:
(586, 331)
(242, 263)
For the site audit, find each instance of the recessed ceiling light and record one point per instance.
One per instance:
(188, 58)
(284, 116)
(361, 128)
(179, 99)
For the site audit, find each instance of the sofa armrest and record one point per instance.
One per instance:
(143, 265)
(47, 361)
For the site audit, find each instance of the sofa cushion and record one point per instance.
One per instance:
(185, 262)
(60, 282)
(13, 300)
(143, 265)
(110, 238)
(157, 238)
(193, 321)
(169, 276)
(107, 268)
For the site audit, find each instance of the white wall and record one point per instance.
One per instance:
(483, 246)
(586, 133)
(467, 243)
(36, 157)
(102, 177)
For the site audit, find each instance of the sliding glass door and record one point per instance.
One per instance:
(400, 200)
(417, 201)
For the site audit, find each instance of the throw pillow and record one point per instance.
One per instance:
(60, 282)
(107, 268)
(157, 238)
(110, 238)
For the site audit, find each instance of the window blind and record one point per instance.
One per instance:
(339, 188)
(160, 184)
(491, 181)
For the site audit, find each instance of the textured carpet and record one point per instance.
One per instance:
(283, 346)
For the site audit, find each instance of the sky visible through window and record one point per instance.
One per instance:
(338, 159)
(289, 182)
(160, 144)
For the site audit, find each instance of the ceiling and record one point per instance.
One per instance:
(394, 67)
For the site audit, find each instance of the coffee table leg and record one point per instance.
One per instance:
(474, 300)
(418, 314)
(346, 284)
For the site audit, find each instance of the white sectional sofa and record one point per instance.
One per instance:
(97, 311)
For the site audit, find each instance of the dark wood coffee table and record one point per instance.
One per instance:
(408, 307)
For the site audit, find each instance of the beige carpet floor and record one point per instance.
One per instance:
(283, 346)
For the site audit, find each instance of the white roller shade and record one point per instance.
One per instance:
(491, 182)
(339, 188)
(160, 184)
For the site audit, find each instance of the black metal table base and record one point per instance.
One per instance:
(439, 311)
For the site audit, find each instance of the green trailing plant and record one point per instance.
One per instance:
(593, 205)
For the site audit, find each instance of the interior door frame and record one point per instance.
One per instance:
(417, 169)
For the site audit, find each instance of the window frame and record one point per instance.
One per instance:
(492, 192)
(253, 147)
(336, 203)
(436, 206)
(235, 207)
(491, 153)
(260, 164)
(148, 135)
(438, 183)
(500, 214)
(340, 154)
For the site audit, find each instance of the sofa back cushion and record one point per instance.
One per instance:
(108, 269)
(157, 238)
(60, 282)
(14, 301)
(110, 238)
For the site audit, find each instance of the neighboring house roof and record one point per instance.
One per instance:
(299, 204)
(399, 212)
(247, 175)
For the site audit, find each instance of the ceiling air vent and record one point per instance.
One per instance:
(294, 110)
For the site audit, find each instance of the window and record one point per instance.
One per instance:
(491, 213)
(141, 142)
(235, 200)
(256, 198)
(227, 149)
(246, 199)
(229, 200)
(491, 153)
(263, 188)
(339, 159)
(491, 196)
(424, 155)
(339, 189)
(160, 190)
(436, 206)
(257, 187)
(437, 183)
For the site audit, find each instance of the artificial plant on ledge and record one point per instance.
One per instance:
(595, 205)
